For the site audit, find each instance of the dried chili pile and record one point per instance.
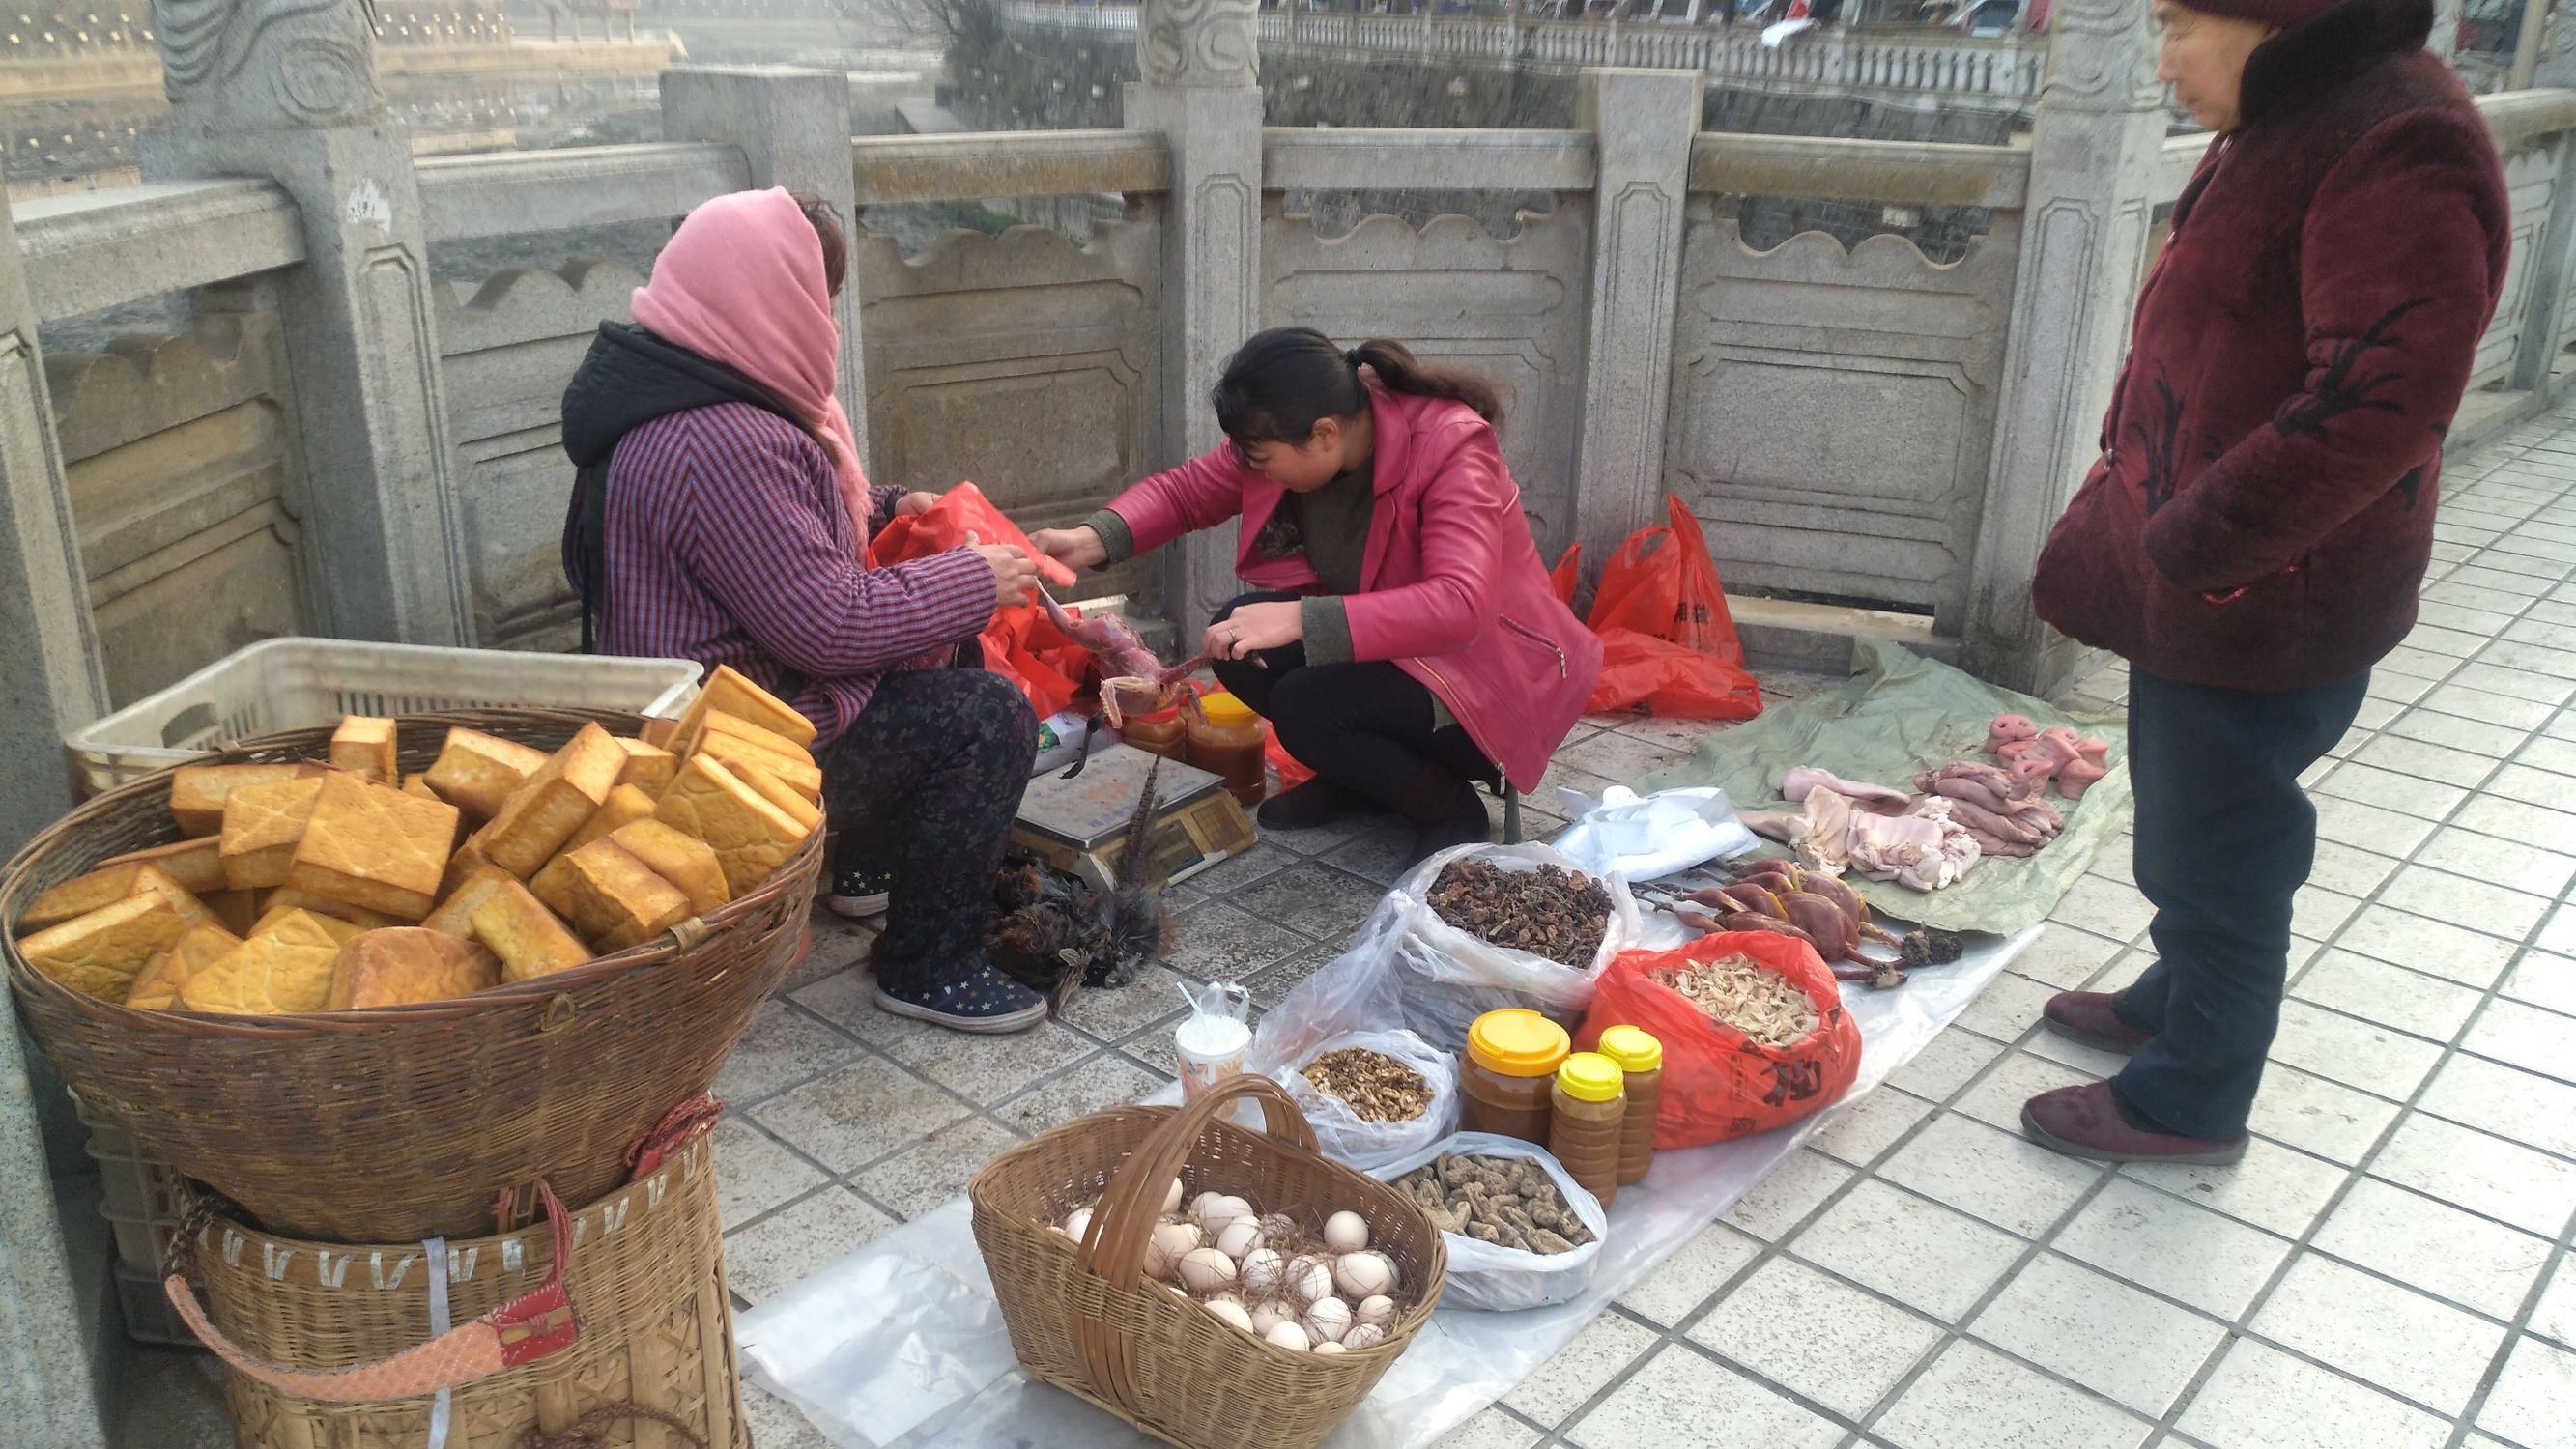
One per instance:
(1375, 1086)
(1764, 1005)
(1549, 911)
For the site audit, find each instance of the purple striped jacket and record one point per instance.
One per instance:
(728, 544)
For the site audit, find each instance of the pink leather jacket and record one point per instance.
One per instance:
(1452, 589)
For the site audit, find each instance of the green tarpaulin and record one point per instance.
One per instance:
(1901, 714)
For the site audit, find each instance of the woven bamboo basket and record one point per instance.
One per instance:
(645, 1278)
(403, 1122)
(1085, 1318)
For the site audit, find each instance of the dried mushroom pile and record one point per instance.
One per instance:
(1507, 1201)
(1736, 991)
(1549, 911)
(1375, 1086)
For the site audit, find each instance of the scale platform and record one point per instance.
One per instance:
(1079, 825)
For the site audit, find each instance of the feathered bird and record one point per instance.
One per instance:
(1054, 933)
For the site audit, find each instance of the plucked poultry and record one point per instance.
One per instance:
(1133, 679)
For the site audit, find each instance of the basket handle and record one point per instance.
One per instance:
(525, 1329)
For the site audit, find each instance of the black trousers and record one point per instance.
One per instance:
(923, 788)
(2226, 837)
(1366, 726)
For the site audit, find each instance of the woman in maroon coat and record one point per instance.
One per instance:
(2254, 535)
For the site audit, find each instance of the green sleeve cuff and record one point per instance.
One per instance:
(1113, 536)
(1327, 627)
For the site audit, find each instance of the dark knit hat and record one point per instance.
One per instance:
(2279, 14)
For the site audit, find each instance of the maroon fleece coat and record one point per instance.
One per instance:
(2262, 512)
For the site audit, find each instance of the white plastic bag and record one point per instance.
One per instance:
(1507, 1280)
(1642, 837)
(1450, 977)
(1350, 1138)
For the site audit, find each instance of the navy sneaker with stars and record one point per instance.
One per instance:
(860, 895)
(984, 1001)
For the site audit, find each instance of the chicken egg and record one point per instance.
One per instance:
(1215, 1215)
(1077, 1223)
(1172, 1198)
(1365, 1335)
(1288, 1336)
(1309, 1278)
(1231, 1311)
(1198, 1205)
(1262, 1270)
(1205, 1270)
(1164, 1250)
(1270, 1313)
(1328, 1319)
(1328, 1346)
(1346, 1232)
(1364, 1275)
(1376, 1312)
(1239, 1238)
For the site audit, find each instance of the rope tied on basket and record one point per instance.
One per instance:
(685, 1123)
(590, 1430)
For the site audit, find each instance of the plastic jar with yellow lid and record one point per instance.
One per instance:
(1640, 1058)
(1509, 1069)
(1587, 1112)
(1226, 739)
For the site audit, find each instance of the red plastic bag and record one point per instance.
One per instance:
(1718, 1085)
(1562, 577)
(1663, 586)
(960, 511)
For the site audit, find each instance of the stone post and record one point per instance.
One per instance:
(48, 1398)
(1201, 92)
(2095, 143)
(286, 90)
(2526, 44)
(794, 129)
(1643, 122)
(2445, 39)
(2545, 317)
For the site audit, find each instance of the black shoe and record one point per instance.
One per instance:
(1462, 821)
(859, 894)
(1318, 802)
(984, 1001)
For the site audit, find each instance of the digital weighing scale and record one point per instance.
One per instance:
(1080, 825)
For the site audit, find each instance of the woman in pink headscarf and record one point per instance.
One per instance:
(719, 514)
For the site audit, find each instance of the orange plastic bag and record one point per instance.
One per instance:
(1292, 771)
(1662, 586)
(1719, 1085)
(1568, 569)
(960, 511)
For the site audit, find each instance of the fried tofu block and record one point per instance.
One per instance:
(101, 954)
(718, 722)
(276, 916)
(611, 898)
(198, 792)
(682, 859)
(263, 823)
(739, 754)
(407, 964)
(287, 898)
(287, 968)
(197, 866)
(375, 847)
(191, 910)
(238, 910)
(799, 809)
(526, 936)
(419, 785)
(730, 691)
(752, 838)
(157, 989)
(364, 745)
(455, 913)
(475, 772)
(556, 801)
(649, 768)
(625, 805)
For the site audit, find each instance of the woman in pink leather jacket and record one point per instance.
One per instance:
(1402, 636)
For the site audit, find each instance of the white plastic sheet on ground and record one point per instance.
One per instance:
(901, 1346)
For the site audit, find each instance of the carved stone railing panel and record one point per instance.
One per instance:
(1511, 310)
(1023, 364)
(510, 347)
(181, 458)
(2531, 179)
(1833, 411)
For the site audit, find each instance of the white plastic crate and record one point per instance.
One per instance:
(296, 682)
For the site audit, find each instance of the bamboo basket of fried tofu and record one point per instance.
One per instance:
(361, 979)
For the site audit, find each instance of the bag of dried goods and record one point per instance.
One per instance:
(1521, 1233)
(1754, 1032)
(1507, 925)
(1373, 1097)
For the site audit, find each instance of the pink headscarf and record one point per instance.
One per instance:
(742, 282)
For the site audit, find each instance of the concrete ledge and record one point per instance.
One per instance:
(1427, 158)
(1913, 172)
(507, 193)
(97, 249)
(1782, 634)
(890, 169)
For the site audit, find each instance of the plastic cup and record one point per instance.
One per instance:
(1211, 1049)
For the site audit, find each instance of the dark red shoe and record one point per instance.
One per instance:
(2084, 1122)
(2087, 1017)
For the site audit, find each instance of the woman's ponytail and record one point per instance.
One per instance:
(1399, 371)
(1285, 380)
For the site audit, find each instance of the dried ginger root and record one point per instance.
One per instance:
(1510, 1203)
(1739, 992)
